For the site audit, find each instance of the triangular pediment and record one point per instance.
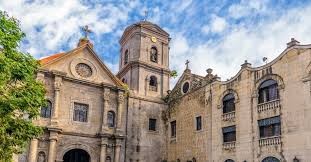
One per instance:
(194, 81)
(81, 63)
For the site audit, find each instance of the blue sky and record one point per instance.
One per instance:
(217, 34)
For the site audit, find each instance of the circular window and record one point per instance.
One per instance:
(185, 87)
(83, 70)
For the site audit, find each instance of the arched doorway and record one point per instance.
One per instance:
(76, 155)
(270, 159)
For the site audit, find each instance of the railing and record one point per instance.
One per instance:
(228, 116)
(269, 105)
(228, 145)
(275, 140)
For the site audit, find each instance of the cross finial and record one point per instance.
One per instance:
(86, 30)
(187, 64)
(146, 15)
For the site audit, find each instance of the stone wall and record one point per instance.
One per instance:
(291, 70)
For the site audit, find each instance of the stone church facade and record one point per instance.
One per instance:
(262, 114)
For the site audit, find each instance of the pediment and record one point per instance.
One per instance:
(82, 63)
(194, 81)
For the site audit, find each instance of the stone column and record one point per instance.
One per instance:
(57, 86)
(52, 145)
(120, 109)
(103, 149)
(117, 150)
(32, 155)
(105, 109)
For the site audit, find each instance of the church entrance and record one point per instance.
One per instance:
(76, 155)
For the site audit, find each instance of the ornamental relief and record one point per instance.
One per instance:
(82, 68)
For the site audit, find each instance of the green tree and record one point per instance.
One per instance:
(21, 96)
(173, 73)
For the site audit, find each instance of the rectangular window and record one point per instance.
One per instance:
(198, 123)
(270, 127)
(173, 128)
(229, 134)
(152, 124)
(80, 112)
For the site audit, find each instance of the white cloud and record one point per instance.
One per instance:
(48, 24)
(206, 29)
(268, 38)
(218, 24)
(247, 7)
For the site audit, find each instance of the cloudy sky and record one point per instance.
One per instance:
(217, 34)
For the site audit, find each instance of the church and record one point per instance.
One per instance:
(262, 114)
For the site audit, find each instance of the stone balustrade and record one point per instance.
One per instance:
(268, 141)
(228, 116)
(228, 145)
(271, 105)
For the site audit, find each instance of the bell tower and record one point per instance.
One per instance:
(144, 59)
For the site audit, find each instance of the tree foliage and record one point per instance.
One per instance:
(173, 73)
(21, 95)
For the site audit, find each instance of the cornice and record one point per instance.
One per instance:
(144, 65)
(150, 99)
(85, 82)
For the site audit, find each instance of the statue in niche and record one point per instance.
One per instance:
(41, 157)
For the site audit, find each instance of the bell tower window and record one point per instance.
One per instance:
(126, 57)
(154, 54)
(153, 83)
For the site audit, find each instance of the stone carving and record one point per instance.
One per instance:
(83, 70)
(41, 157)
(58, 83)
(106, 94)
(120, 97)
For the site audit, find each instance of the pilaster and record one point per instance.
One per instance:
(103, 149)
(52, 144)
(106, 99)
(58, 82)
(32, 155)
(118, 150)
(120, 110)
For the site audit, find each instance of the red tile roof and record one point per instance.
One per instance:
(47, 59)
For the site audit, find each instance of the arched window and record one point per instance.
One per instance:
(111, 118)
(41, 157)
(268, 91)
(108, 159)
(228, 103)
(46, 111)
(194, 159)
(178, 160)
(270, 159)
(154, 54)
(153, 83)
(270, 127)
(126, 57)
(229, 160)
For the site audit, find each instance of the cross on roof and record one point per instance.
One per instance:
(86, 30)
(187, 63)
(146, 15)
